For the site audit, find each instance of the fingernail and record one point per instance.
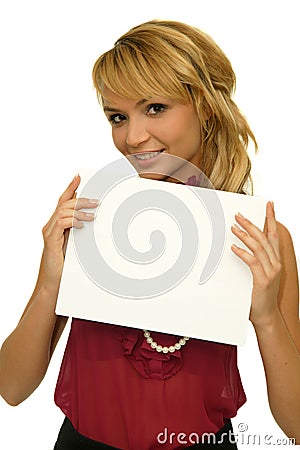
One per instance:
(94, 201)
(76, 176)
(240, 215)
(236, 228)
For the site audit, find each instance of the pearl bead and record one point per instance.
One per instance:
(160, 348)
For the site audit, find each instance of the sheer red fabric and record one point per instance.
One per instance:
(116, 389)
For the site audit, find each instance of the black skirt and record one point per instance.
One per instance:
(70, 439)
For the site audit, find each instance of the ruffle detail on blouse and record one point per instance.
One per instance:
(146, 360)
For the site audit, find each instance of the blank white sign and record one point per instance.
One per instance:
(158, 257)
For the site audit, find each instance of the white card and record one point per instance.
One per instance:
(186, 281)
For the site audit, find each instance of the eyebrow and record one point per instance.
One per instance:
(108, 108)
(112, 109)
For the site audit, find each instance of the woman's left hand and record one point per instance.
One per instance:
(263, 260)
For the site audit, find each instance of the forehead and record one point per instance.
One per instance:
(110, 97)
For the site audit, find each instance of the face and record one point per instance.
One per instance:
(146, 131)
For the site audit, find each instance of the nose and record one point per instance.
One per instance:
(137, 133)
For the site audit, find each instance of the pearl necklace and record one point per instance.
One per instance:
(160, 348)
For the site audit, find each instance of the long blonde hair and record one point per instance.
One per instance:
(178, 61)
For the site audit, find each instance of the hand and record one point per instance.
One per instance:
(56, 231)
(263, 260)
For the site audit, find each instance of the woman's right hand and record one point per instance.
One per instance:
(55, 233)
(26, 353)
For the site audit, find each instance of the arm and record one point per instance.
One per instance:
(275, 315)
(26, 353)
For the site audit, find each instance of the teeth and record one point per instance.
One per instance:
(147, 155)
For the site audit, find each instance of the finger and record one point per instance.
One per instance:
(78, 203)
(54, 232)
(67, 209)
(258, 236)
(252, 262)
(70, 192)
(64, 224)
(258, 250)
(72, 213)
(271, 229)
(84, 216)
(81, 203)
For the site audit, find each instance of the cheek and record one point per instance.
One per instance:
(178, 129)
(119, 139)
(168, 132)
(194, 135)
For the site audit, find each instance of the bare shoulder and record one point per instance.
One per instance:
(288, 298)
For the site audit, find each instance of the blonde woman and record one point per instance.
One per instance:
(166, 89)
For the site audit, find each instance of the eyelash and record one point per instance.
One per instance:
(160, 106)
(113, 117)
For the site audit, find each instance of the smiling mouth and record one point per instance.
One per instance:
(149, 155)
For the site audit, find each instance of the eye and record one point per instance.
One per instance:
(116, 119)
(155, 108)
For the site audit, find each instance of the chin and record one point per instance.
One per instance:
(159, 177)
(153, 176)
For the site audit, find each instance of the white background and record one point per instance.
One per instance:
(51, 125)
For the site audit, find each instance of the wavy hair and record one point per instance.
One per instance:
(181, 62)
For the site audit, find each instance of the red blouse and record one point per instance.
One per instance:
(116, 389)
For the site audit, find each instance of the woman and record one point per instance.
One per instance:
(166, 88)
